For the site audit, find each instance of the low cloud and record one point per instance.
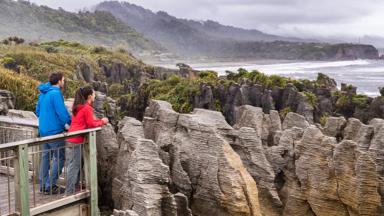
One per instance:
(289, 17)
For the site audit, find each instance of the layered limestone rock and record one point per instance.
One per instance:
(197, 164)
(107, 149)
(203, 166)
(312, 173)
(141, 178)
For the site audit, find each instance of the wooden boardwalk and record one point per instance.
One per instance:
(7, 206)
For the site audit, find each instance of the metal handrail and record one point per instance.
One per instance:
(21, 171)
(41, 140)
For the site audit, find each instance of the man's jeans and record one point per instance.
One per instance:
(73, 155)
(54, 151)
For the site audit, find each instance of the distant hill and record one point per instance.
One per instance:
(40, 23)
(211, 39)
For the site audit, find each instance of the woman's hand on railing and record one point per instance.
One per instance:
(105, 121)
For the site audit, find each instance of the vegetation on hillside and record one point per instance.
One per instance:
(33, 63)
(41, 23)
(23, 88)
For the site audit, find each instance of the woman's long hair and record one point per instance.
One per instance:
(81, 97)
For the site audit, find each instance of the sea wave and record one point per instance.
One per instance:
(287, 68)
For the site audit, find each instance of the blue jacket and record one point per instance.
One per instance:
(51, 110)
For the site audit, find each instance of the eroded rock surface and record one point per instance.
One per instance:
(197, 164)
(7, 101)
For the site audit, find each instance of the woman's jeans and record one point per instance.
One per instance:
(48, 175)
(73, 156)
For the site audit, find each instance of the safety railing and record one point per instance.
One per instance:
(24, 175)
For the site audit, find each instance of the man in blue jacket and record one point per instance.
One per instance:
(53, 118)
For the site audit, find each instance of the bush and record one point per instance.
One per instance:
(207, 75)
(50, 49)
(283, 113)
(15, 40)
(176, 90)
(23, 88)
(312, 99)
(98, 50)
(342, 101)
(324, 119)
(361, 101)
(116, 90)
(9, 62)
(218, 106)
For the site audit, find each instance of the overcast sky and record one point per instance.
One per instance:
(305, 18)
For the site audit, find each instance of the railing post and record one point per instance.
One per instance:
(21, 180)
(92, 168)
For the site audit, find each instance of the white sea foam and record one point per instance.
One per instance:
(367, 75)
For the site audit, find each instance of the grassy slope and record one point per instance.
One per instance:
(22, 67)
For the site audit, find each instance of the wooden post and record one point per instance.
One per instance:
(93, 173)
(21, 180)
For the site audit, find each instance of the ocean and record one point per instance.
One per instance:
(366, 75)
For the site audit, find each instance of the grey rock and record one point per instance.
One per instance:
(265, 125)
(141, 179)
(7, 101)
(250, 149)
(204, 167)
(107, 150)
(334, 126)
(294, 120)
(358, 132)
(105, 107)
(85, 72)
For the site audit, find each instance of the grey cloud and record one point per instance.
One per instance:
(264, 14)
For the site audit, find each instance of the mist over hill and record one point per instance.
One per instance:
(210, 39)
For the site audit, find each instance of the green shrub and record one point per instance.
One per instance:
(50, 49)
(98, 50)
(218, 106)
(283, 113)
(116, 90)
(361, 101)
(8, 62)
(207, 75)
(324, 119)
(23, 88)
(342, 101)
(176, 90)
(279, 81)
(312, 99)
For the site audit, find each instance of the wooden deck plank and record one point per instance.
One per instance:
(40, 199)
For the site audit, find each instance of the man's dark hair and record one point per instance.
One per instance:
(54, 78)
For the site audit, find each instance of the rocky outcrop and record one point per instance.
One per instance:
(106, 107)
(7, 101)
(197, 164)
(311, 173)
(185, 167)
(141, 178)
(203, 166)
(107, 149)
